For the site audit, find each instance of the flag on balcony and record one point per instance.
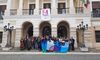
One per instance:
(45, 14)
(86, 3)
(83, 1)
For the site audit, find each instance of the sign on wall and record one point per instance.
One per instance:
(45, 14)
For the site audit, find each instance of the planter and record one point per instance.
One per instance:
(84, 49)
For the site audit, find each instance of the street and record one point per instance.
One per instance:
(49, 56)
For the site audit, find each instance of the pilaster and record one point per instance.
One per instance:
(54, 4)
(72, 8)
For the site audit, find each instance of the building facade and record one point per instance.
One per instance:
(65, 15)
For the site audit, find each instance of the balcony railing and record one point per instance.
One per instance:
(1, 21)
(3, 1)
(28, 11)
(2, 12)
(63, 10)
(32, 11)
(13, 11)
(79, 10)
(96, 12)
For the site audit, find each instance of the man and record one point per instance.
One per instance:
(72, 44)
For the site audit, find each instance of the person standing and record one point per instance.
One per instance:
(72, 43)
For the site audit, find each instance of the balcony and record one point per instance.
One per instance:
(2, 12)
(3, 1)
(96, 12)
(28, 11)
(79, 10)
(13, 11)
(1, 15)
(32, 13)
(63, 10)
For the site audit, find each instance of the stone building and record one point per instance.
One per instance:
(63, 19)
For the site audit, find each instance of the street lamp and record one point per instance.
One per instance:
(82, 27)
(9, 29)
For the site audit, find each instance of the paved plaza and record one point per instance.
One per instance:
(48, 56)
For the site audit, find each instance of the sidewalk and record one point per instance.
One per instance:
(77, 51)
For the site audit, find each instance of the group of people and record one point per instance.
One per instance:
(39, 43)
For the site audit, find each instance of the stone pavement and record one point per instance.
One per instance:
(76, 51)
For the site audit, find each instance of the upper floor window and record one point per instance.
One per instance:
(2, 9)
(47, 5)
(97, 35)
(31, 9)
(61, 8)
(96, 9)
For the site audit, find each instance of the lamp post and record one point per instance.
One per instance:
(82, 27)
(9, 29)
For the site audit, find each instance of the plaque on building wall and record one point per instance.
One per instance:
(45, 14)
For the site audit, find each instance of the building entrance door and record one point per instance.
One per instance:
(27, 28)
(46, 31)
(30, 31)
(62, 31)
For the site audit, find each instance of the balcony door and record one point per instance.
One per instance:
(61, 8)
(47, 5)
(2, 9)
(31, 9)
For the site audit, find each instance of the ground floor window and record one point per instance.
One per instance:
(1, 37)
(97, 35)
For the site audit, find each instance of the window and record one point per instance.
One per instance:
(1, 37)
(31, 9)
(96, 9)
(2, 9)
(46, 5)
(61, 8)
(97, 35)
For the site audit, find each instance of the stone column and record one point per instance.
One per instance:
(4, 39)
(54, 4)
(18, 37)
(71, 7)
(20, 10)
(9, 5)
(67, 10)
(54, 31)
(37, 4)
(36, 32)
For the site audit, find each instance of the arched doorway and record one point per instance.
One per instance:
(45, 29)
(63, 29)
(27, 28)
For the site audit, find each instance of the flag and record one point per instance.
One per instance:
(83, 1)
(87, 3)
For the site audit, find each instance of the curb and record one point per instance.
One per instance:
(32, 53)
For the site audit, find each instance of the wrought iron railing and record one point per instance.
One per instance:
(3, 1)
(96, 12)
(63, 10)
(13, 11)
(2, 12)
(28, 11)
(79, 10)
